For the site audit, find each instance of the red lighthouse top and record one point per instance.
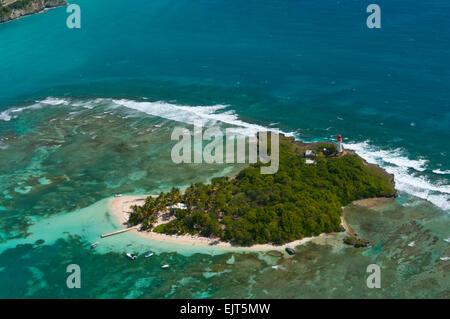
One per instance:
(339, 138)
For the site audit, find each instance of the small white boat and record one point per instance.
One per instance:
(131, 256)
(118, 195)
(165, 266)
(149, 254)
(94, 244)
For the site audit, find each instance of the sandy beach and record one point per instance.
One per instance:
(120, 207)
(374, 203)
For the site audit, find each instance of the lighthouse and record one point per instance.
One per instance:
(340, 147)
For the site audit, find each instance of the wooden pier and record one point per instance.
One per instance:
(120, 231)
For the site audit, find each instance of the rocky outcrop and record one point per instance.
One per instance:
(356, 242)
(10, 9)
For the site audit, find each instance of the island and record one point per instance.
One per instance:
(14, 9)
(304, 199)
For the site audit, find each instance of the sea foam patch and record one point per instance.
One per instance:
(14, 112)
(9, 114)
(54, 101)
(440, 172)
(23, 190)
(209, 115)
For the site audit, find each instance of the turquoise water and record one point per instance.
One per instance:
(86, 114)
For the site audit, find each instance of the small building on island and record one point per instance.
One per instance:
(173, 208)
(309, 154)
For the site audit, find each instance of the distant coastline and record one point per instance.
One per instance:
(15, 9)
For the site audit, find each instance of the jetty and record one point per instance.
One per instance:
(120, 231)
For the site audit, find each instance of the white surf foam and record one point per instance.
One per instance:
(90, 104)
(8, 114)
(394, 157)
(4, 116)
(54, 101)
(11, 113)
(209, 115)
(395, 162)
(438, 171)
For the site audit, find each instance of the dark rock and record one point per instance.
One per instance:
(349, 241)
(290, 251)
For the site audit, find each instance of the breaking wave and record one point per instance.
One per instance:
(209, 115)
(438, 171)
(408, 173)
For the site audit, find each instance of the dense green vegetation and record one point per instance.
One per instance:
(300, 200)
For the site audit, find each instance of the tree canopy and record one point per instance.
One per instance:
(300, 200)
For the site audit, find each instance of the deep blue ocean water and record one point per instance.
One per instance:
(311, 68)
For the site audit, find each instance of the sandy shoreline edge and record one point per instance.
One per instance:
(121, 206)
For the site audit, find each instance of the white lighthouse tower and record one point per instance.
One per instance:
(340, 147)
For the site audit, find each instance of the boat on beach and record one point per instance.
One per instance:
(118, 195)
(131, 256)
